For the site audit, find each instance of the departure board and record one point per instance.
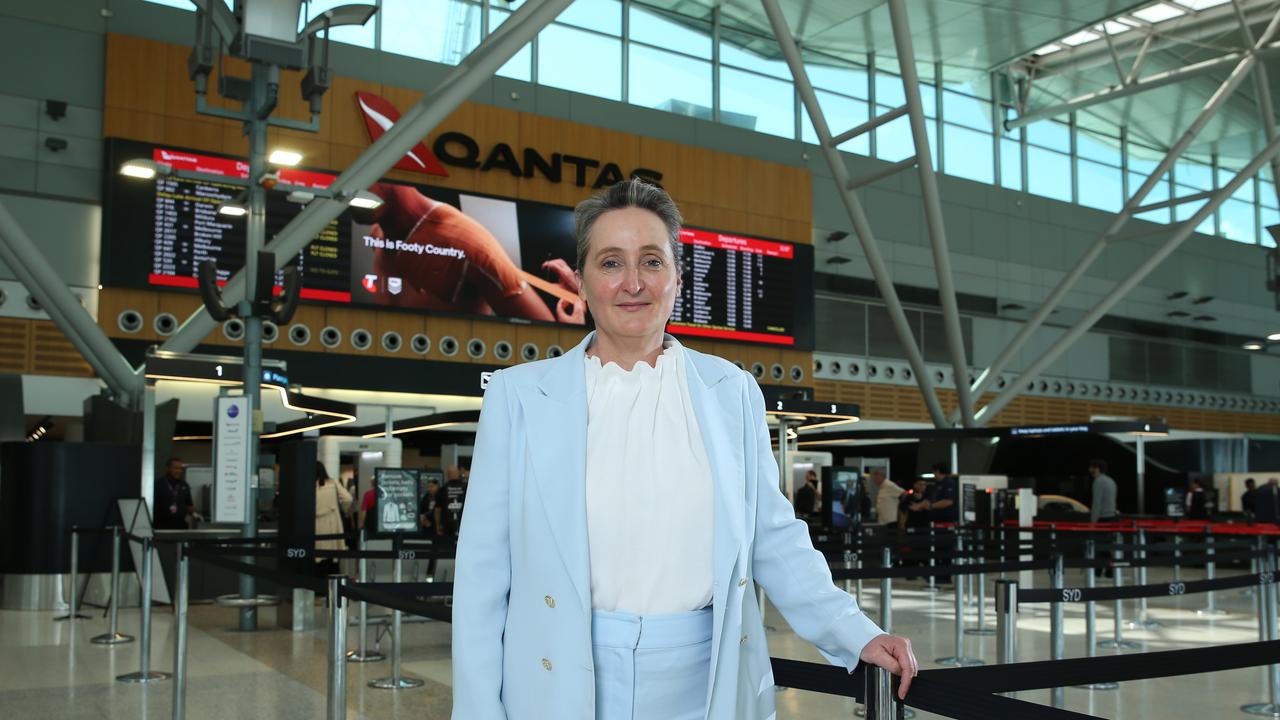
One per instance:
(434, 249)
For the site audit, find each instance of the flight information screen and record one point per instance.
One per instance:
(433, 249)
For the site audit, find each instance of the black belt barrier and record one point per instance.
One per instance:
(274, 575)
(1132, 592)
(388, 595)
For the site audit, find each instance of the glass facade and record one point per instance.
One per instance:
(690, 66)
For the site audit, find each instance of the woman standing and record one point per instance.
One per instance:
(624, 502)
(332, 499)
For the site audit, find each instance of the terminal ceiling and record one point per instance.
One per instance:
(972, 39)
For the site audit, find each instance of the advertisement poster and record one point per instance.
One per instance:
(397, 500)
(231, 459)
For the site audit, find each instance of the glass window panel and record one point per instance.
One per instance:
(965, 110)
(1100, 186)
(442, 31)
(520, 66)
(1235, 221)
(889, 90)
(1245, 192)
(756, 102)
(893, 140)
(1098, 147)
(1049, 173)
(600, 15)
(1186, 210)
(671, 82)
(929, 99)
(842, 113)
(663, 30)
(735, 50)
(1194, 175)
(846, 80)
(1270, 216)
(1158, 193)
(561, 50)
(1267, 194)
(1010, 164)
(1050, 134)
(969, 153)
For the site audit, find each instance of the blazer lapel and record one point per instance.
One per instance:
(557, 429)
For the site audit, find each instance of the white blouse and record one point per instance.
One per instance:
(649, 489)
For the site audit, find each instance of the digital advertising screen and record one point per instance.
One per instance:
(435, 249)
(397, 500)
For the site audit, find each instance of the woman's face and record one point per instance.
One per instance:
(629, 279)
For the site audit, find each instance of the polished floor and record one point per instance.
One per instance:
(49, 670)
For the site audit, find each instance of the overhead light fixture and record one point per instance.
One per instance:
(144, 169)
(1080, 38)
(1202, 299)
(1252, 345)
(1158, 13)
(354, 14)
(232, 209)
(1205, 318)
(1177, 295)
(1047, 49)
(1013, 307)
(1274, 337)
(365, 199)
(301, 197)
(1178, 314)
(837, 260)
(288, 158)
(837, 236)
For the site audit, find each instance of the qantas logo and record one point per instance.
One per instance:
(379, 116)
(462, 150)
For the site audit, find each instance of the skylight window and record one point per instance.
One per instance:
(1158, 13)
(1048, 49)
(1198, 5)
(1080, 38)
(1115, 27)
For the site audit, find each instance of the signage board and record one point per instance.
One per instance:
(397, 500)
(231, 438)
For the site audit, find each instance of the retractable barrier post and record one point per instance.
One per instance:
(1057, 693)
(933, 551)
(881, 703)
(857, 585)
(981, 580)
(1209, 607)
(1143, 620)
(1091, 618)
(1117, 641)
(113, 636)
(957, 580)
(336, 699)
(1177, 558)
(362, 653)
(145, 674)
(1267, 624)
(1006, 621)
(848, 565)
(886, 589)
(73, 602)
(180, 602)
(396, 681)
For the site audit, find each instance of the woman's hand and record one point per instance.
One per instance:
(893, 653)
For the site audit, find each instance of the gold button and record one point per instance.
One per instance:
(546, 664)
(550, 601)
(742, 582)
(744, 640)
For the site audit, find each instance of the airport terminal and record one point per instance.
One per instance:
(626, 359)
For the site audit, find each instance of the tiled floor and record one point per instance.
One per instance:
(50, 670)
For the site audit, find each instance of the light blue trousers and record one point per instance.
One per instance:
(651, 667)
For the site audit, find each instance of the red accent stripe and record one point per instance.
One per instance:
(330, 295)
(725, 241)
(183, 281)
(697, 331)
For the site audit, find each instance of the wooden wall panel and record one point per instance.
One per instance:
(494, 126)
(133, 64)
(15, 345)
(53, 354)
(313, 316)
(540, 335)
(113, 301)
(491, 333)
(348, 320)
(457, 328)
(406, 324)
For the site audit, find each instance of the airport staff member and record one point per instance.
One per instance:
(1103, 507)
(582, 589)
(173, 499)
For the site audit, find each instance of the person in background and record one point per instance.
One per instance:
(1246, 500)
(940, 499)
(449, 501)
(807, 497)
(887, 497)
(173, 499)
(1103, 505)
(427, 508)
(1196, 507)
(331, 499)
(368, 500)
(912, 511)
(1265, 500)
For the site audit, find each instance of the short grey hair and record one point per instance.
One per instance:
(633, 193)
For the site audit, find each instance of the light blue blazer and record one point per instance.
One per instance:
(522, 588)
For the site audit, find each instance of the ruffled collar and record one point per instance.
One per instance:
(670, 353)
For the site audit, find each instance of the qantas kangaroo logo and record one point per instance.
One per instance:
(379, 116)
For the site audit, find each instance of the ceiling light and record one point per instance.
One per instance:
(144, 169)
(301, 197)
(1178, 314)
(1252, 345)
(1205, 318)
(1114, 27)
(232, 209)
(837, 260)
(1158, 13)
(1202, 299)
(1047, 49)
(1080, 38)
(1274, 337)
(1177, 295)
(837, 236)
(288, 158)
(365, 199)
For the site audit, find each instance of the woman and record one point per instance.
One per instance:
(332, 499)
(623, 502)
